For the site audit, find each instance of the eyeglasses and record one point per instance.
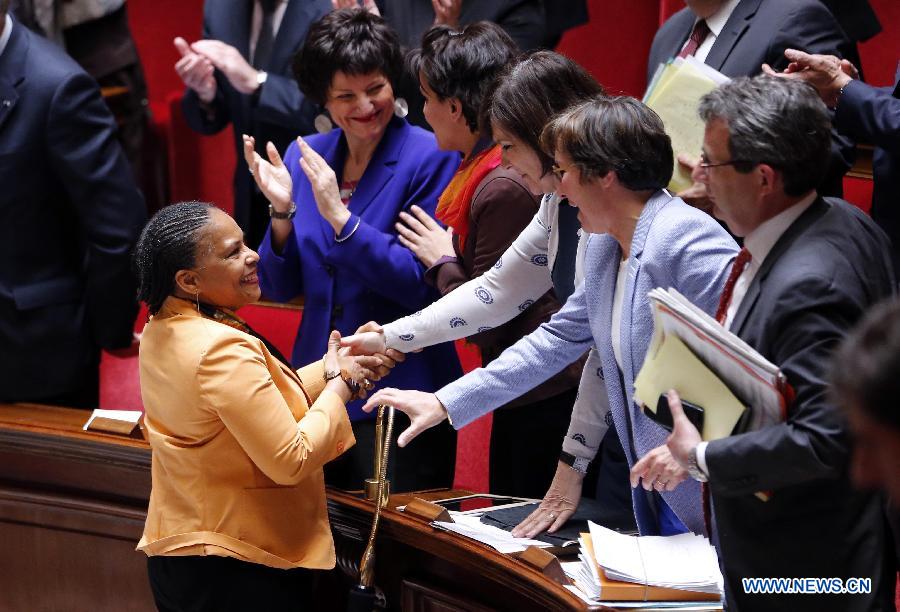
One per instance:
(559, 171)
(705, 163)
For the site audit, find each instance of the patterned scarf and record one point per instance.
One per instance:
(455, 203)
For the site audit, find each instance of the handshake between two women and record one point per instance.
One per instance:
(423, 409)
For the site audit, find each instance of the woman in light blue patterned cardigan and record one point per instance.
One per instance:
(613, 160)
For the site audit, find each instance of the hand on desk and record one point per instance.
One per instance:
(558, 505)
(423, 409)
(665, 467)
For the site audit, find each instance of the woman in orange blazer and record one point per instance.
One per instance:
(237, 515)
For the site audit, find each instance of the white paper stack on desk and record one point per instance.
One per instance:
(618, 567)
(738, 389)
(674, 93)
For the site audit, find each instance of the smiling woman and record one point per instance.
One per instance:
(334, 200)
(237, 515)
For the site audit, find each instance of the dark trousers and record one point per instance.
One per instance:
(525, 445)
(222, 584)
(428, 462)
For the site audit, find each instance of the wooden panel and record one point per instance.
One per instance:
(73, 504)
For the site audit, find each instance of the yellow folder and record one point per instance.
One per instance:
(670, 364)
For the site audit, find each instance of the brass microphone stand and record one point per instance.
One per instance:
(362, 596)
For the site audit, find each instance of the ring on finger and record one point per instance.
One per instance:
(552, 516)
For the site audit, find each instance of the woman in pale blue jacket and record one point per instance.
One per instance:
(613, 159)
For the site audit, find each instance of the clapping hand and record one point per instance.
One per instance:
(557, 506)
(827, 73)
(196, 71)
(324, 187)
(369, 5)
(227, 59)
(424, 237)
(272, 176)
(446, 12)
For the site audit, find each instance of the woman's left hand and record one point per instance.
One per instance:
(424, 410)
(324, 187)
(424, 237)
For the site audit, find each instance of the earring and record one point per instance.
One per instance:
(323, 124)
(197, 298)
(401, 108)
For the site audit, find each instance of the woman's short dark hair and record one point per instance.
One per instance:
(864, 370)
(535, 89)
(464, 64)
(168, 244)
(620, 134)
(352, 41)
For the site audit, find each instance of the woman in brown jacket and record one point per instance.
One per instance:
(237, 515)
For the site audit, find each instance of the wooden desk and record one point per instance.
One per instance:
(73, 504)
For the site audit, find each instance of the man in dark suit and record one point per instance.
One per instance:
(69, 216)
(240, 74)
(741, 36)
(783, 502)
(865, 113)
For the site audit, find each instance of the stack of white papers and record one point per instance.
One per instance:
(498, 539)
(754, 381)
(686, 561)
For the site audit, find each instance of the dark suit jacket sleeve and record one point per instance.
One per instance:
(870, 114)
(377, 257)
(812, 444)
(89, 161)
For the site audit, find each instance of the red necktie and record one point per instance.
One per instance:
(698, 35)
(740, 262)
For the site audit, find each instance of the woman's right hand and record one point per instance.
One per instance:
(272, 176)
(362, 370)
(557, 506)
(368, 340)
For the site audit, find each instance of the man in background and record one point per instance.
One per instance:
(239, 74)
(70, 214)
(736, 37)
(783, 504)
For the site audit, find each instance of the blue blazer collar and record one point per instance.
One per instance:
(653, 206)
(379, 170)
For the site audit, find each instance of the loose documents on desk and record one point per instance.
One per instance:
(674, 93)
(738, 389)
(618, 567)
(470, 525)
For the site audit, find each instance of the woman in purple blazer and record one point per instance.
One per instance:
(334, 200)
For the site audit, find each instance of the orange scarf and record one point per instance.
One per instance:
(455, 203)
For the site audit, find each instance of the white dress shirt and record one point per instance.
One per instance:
(7, 32)
(715, 23)
(759, 242)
